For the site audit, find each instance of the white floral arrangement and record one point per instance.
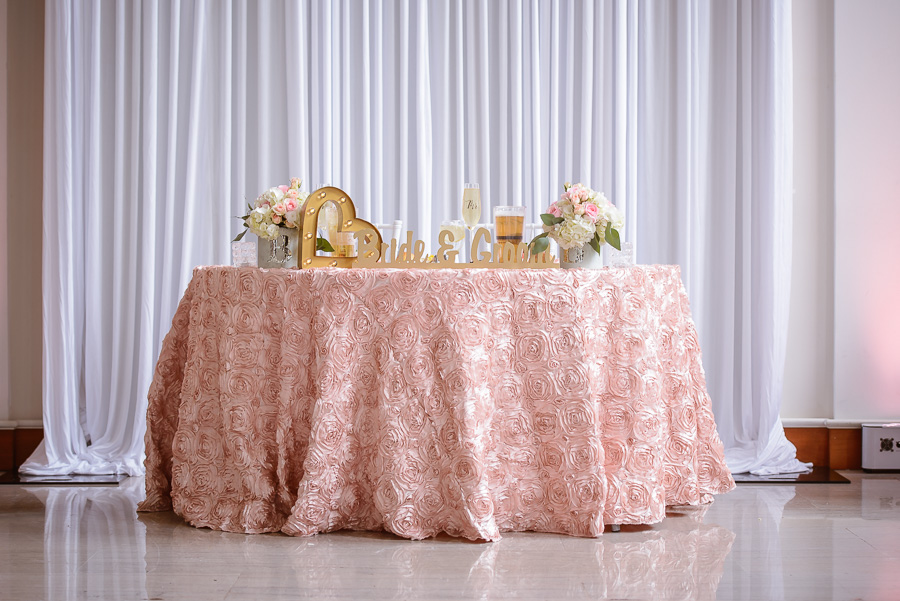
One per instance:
(276, 207)
(580, 216)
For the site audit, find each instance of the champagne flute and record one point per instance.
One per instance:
(471, 207)
(457, 234)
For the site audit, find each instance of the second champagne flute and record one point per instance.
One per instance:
(471, 207)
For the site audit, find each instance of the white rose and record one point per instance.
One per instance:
(272, 231)
(277, 194)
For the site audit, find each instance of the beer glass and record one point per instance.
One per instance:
(509, 222)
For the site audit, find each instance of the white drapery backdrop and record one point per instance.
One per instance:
(162, 118)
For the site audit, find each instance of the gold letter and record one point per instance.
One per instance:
(484, 259)
(368, 253)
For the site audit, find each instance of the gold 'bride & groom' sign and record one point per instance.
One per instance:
(375, 254)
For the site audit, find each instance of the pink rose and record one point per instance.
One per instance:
(404, 333)
(407, 282)
(480, 504)
(476, 332)
(515, 428)
(554, 210)
(196, 507)
(492, 284)
(551, 457)
(637, 496)
(419, 368)
(539, 386)
(643, 459)
(582, 456)
(618, 419)
(290, 204)
(558, 494)
(531, 493)
(466, 470)
(614, 452)
(445, 348)
(250, 286)
(579, 417)
(591, 212)
(393, 442)
(589, 491)
(678, 448)
(430, 314)
(573, 378)
(240, 384)
(284, 188)
(279, 209)
(545, 423)
(459, 295)
(533, 348)
(405, 521)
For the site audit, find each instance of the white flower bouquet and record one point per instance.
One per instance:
(579, 217)
(279, 206)
(274, 208)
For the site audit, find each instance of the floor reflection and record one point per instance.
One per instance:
(754, 514)
(97, 547)
(758, 542)
(684, 560)
(88, 532)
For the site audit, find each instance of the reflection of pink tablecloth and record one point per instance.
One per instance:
(465, 401)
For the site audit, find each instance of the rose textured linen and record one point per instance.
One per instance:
(470, 402)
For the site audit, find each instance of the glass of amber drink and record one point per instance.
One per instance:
(509, 223)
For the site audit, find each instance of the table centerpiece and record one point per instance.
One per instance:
(581, 222)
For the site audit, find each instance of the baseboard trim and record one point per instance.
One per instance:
(17, 443)
(837, 445)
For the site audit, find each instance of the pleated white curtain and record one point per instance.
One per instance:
(164, 117)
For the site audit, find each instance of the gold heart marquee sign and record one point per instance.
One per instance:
(347, 222)
(375, 254)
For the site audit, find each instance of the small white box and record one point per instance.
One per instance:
(881, 446)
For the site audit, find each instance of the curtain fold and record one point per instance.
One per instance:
(163, 118)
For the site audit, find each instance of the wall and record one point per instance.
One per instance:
(4, 315)
(867, 210)
(22, 151)
(808, 387)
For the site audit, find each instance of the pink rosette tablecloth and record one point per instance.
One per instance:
(470, 402)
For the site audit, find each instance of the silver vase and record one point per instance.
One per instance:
(283, 251)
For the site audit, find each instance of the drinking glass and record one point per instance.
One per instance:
(622, 258)
(471, 205)
(243, 254)
(509, 223)
(457, 233)
(345, 244)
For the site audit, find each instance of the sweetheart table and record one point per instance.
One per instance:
(471, 402)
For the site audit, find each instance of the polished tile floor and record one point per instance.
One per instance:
(808, 541)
